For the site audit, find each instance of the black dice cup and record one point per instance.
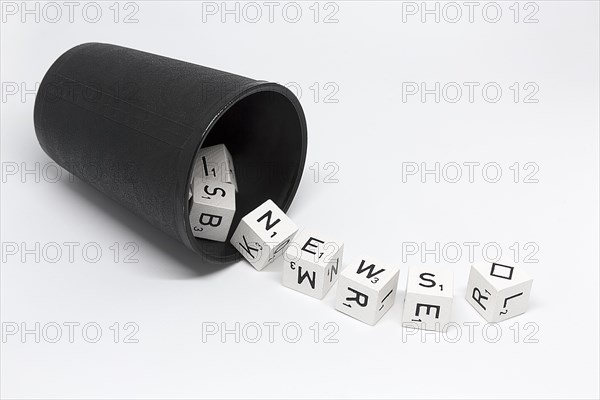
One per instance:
(129, 123)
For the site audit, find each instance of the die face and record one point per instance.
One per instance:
(367, 290)
(216, 194)
(332, 271)
(264, 234)
(250, 245)
(386, 297)
(212, 210)
(312, 264)
(214, 164)
(270, 223)
(277, 249)
(230, 171)
(370, 273)
(481, 295)
(502, 276)
(498, 291)
(356, 300)
(513, 301)
(316, 248)
(305, 277)
(431, 281)
(427, 312)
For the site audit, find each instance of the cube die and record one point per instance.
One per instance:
(311, 263)
(367, 290)
(498, 291)
(212, 210)
(428, 298)
(263, 234)
(214, 164)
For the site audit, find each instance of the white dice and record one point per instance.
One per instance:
(263, 234)
(214, 164)
(212, 210)
(311, 263)
(428, 298)
(498, 291)
(367, 290)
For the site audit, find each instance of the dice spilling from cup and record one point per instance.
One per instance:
(312, 262)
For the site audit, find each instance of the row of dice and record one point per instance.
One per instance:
(367, 288)
(496, 291)
(212, 193)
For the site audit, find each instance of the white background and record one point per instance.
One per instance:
(369, 133)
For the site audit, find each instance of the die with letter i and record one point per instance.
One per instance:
(367, 290)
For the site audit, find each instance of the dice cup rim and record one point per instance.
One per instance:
(188, 160)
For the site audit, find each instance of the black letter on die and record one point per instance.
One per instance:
(480, 296)
(428, 308)
(360, 298)
(308, 243)
(423, 277)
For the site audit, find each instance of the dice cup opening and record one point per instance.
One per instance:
(138, 119)
(268, 122)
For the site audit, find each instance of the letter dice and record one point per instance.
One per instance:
(212, 210)
(312, 263)
(367, 290)
(498, 291)
(214, 164)
(428, 298)
(263, 234)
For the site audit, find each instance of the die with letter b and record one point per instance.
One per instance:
(212, 209)
(428, 298)
(263, 234)
(498, 291)
(367, 290)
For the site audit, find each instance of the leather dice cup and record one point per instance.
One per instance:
(130, 123)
